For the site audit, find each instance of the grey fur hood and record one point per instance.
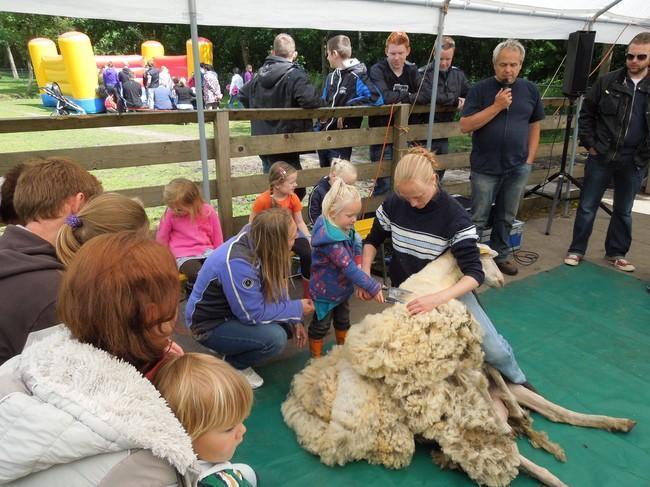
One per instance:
(62, 401)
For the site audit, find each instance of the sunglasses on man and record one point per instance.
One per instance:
(640, 57)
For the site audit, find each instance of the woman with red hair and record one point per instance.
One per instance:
(75, 407)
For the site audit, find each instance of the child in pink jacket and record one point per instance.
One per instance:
(190, 227)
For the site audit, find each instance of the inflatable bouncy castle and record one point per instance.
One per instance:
(77, 70)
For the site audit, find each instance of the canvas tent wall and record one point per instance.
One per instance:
(528, 19)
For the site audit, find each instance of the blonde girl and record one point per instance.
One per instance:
(340, 168)
(282, 183)
(105, 213)
(211, 400)
(336, 251)
(240, 305)
(424, 222)
(190, 227)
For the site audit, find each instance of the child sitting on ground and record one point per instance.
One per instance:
(190, 227)
(340, 168)
(211, 400)
(282, 181)
(336, 252)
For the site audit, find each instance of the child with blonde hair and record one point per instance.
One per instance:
(211, 400)
(105, 213)
(340, 168)
(336, 251)
(190, 227)
(282, 183)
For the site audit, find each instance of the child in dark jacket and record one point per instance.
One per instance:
(348, 85)
(340, 169)
(336, 253)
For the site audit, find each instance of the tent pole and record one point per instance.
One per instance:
(436, 71)
(200, 115)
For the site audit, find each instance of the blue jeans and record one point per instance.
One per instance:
(498, 351)
(505, 191)
(325, 156)
(233, 99)
(246, 345)
(382, 185)
(627, 182)
(150, 98)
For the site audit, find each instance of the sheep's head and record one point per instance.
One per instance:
(493, 276)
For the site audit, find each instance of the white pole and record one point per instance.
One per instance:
(198, 83)
(436, 71)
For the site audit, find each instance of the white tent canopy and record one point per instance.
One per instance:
(530, 19)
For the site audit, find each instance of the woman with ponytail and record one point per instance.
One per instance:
(424, 221)
(106, 213)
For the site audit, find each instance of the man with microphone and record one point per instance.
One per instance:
(504, 114)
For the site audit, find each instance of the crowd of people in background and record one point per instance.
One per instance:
(90, 299)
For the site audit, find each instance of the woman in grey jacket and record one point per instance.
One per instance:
(75, 408)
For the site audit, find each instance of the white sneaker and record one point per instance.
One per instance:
(252, 377)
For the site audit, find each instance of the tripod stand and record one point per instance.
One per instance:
(562, 176)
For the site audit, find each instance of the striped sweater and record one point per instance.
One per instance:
(422, 235)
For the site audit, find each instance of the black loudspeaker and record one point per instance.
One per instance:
(578, 62)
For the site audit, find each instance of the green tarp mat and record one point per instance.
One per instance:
(581, 334)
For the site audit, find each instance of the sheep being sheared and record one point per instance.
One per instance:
(400, 376)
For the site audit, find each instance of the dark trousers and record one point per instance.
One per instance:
(440, 146)
(191, 269)
(382, 185)
(340, 315)
(325, 156)
(303, 250)
(627, 182)
(291, 158)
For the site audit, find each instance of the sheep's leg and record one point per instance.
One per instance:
(539, 473)
(558, 414)
(521, 419)
(506, 395)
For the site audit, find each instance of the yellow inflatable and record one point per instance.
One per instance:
(76, 68)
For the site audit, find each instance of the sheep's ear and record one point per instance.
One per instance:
(485, 250)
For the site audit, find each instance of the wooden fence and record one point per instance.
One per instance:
(223, 147)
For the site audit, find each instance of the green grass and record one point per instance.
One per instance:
(13, 104)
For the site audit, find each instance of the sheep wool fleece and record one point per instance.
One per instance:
(398, 376)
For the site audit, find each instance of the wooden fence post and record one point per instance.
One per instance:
(400, 135)
(224, 176)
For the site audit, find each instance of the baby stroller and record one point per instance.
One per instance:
(63, 105)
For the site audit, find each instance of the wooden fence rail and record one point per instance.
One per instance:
(223, 147)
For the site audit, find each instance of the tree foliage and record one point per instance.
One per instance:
(237, 46)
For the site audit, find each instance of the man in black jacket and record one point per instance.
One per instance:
(452, 90)
(614, 127)
(399, 82)
(281, 83)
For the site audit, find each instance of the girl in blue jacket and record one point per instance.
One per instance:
(240, 305)
(336, 257)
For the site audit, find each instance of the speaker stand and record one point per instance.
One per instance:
(562, 176)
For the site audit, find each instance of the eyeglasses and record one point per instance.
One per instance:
(640, 57)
